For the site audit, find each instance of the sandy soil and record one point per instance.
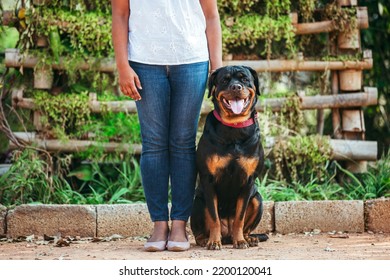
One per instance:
(307, 246)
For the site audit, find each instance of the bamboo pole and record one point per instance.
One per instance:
(354, 150)
(341, 149)
(336, 118)
(367, 98)
(71, 146)
(14, 59)
(352, 121)
(301, 65)
(112, 106)
(327, 25)
(346, 3)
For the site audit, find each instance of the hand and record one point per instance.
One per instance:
(129, 83)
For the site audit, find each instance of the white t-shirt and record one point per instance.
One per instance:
(167, 32)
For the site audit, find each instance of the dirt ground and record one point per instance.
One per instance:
(309, 246)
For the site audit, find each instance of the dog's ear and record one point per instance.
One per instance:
(213, 82)
(255, 78)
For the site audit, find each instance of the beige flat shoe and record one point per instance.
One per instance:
(178, 246)
(156, 246)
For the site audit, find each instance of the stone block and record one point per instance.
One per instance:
(377, 215)
(52, 220)
(123, 219)
(304, 216)
(3, 213)
(267, 220)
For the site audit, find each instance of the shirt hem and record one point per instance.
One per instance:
(168, 62)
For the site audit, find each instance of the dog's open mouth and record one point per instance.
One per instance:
(236, 105)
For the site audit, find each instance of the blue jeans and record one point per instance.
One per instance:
(168, 113)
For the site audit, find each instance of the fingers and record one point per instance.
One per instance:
(131, 90)
(130, 85)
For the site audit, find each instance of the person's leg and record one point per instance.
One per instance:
(153, 112)
(188, 83)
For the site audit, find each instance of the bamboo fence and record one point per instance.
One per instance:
(346, 101)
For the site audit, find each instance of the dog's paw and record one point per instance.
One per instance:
(240, 244)
(252, 241)
(214, 245)
(201, 241)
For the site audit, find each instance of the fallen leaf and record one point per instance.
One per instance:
(62, 243)
(48, 238)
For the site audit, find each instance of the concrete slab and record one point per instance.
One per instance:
(377, 215)
(123, 219)
(304, 216)
(3, 213)
(67, 220)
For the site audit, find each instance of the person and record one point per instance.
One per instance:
(164, 51)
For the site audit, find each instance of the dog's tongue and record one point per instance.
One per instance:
(237, 105)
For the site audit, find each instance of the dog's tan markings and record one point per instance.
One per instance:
(248, 164)
(238, 226)
(214, 242)
(215, 162)
(250, 216)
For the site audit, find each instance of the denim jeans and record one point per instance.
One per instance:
(168, 113)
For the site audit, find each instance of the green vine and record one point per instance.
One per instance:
(87, 33)
(63, 114)
(299, 156)
(306, 9)
(345, 19)
(291, 115)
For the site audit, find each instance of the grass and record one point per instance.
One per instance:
(342, 185)
(29, 180)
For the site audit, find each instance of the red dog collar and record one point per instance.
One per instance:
(243, 124)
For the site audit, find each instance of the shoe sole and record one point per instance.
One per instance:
(154, 249)
(177, 249)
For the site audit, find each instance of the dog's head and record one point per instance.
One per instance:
(234, 91)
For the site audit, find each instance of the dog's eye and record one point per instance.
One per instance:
(245, 79)
(225, 80)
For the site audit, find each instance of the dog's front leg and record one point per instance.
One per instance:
(212, 221)
(239, 241)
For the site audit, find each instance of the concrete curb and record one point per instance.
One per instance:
(3, 214)
(304, 216)
(133, 219)
(377, 215)
(73, 220)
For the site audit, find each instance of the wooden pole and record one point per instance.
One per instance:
(71, 146)
(341, 149)
(350, 81)
(336, 118)
(328, 25)
(301, 65)
(14, 59)
(367, 98)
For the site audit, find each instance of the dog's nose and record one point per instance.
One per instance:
(236, 87)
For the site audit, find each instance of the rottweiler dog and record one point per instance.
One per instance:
(227, 206)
